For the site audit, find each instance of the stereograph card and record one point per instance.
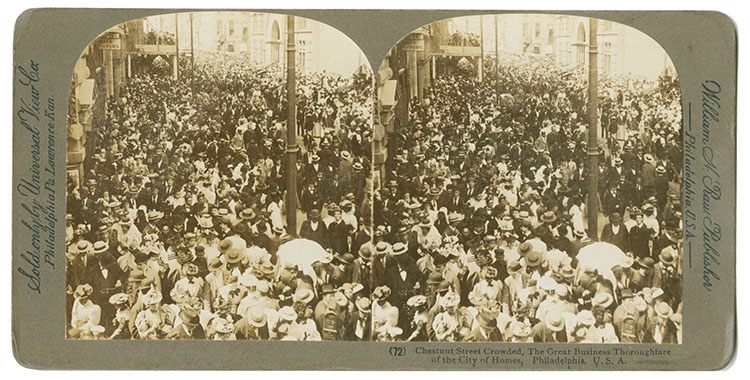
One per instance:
(374, 190)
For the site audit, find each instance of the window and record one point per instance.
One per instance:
(551, 36)
(219, 27)
(565, 26)
(300, 23)
(230, 48)
(257, 24)
(525, 29)
(244, 29)
(301, 55)
(607, 57)
(275, 32)
(537, 30)
(231, 28)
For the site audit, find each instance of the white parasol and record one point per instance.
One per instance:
(600, 256)
(301, 252)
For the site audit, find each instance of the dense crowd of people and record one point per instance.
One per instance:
(478, 232)
(480, 226)
(176, 227)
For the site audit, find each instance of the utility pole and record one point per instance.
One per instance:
(481, 48)
(497, 62)
(177, 46)
(593, 144)
(402, 112)
(192, 59)
(291, 128)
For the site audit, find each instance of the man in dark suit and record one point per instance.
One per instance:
(659, 327)
(314, 229)
(309, 198)
(401, 275)
(363, 235)
(145, 195)
(190, 328)
(551, 329)
(107, 279)
(471, 189)
(451, 199)
(154, 200)
(338, 233)
(84, 266)
(487, 330)
(615, 232)
(639, 236)
(359, 327)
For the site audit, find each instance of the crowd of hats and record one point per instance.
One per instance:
(481, 215)
(178, 215)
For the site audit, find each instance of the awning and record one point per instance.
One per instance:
(388, 93)
(75, 131)
(85, 93)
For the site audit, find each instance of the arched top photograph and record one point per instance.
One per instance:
(529, 169)
(218, 181)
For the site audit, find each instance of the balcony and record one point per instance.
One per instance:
(155, 49)
(459, 51)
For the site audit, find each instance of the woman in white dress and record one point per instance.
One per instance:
(85, 314)
(151, 323)
(576, 214)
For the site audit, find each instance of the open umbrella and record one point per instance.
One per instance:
(302, 252)
(600, 256)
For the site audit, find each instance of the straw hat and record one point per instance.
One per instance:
(234, 255)
(399, 248)
(363, 305)
(189, 316)
(554, 321)
(118, 299)
(303, 295)
(602, 299)
(586, 318)
(663, 310)
(256, 317)
(288, 314)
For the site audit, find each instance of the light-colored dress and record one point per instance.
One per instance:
(84, 316)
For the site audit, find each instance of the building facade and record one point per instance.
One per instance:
(97, 75)
(622, 50)
(262, 38)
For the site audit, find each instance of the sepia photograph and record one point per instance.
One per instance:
(412, 189)
(527, 173)
(219, 176)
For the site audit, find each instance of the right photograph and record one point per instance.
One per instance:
(527, 184)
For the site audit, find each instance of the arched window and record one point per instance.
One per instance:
(275, 33)
(581, 45)
(581, 34)
(275, 42)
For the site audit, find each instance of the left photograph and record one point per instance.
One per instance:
(219, 181)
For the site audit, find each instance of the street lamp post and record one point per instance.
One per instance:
(480, 63)
(192, 59)
(291, 129)
(177, 46)
(497, 62)
(593, 143)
